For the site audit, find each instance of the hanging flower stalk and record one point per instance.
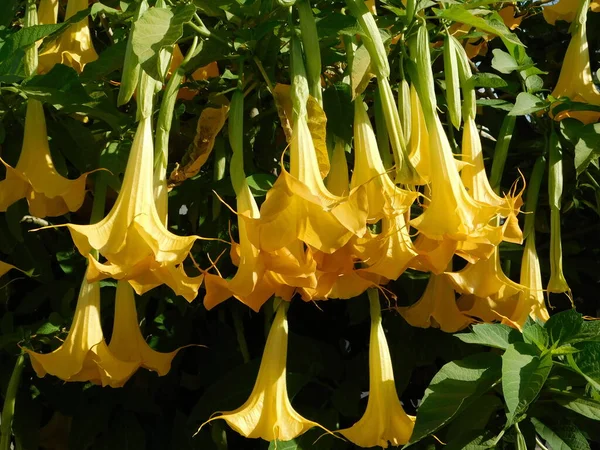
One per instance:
(268, 413)
(384, 421)
(74, 46)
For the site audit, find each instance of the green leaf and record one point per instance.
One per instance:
(587, 148)
(585, 406)
(454, 388)
(527, 104)
(534, 333)
(110, 60)
(493, 335)
(488, 80)
(564, 327)
(564, 435)
(337, 102)
(587, 362)
(260, 183)
(493, 24)
(524, 373)
(503, 62)
(52, 326)
(156, 29)
(61, 86)
(496, 103)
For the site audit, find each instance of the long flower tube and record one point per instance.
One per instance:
(35, 177)
(384, 421)
(133, 237)
(268, 413)
(575, 80)
(84, 355)
(299, 206)
(74, 46)
(260, 274)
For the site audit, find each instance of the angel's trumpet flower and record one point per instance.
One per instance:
(489, 310)
(565, 10)
(384, 198)
(35, 178)
(476, 181)
(384, 421)
(132, 237)
(5, 267)
(437, 307)
(260, 274)
(299, 206)
(73, 47)
(452, 213)
(419, 138)
(575, 79)
(127, 342)
(268, 413)
(337, 181)
(485, 278)
(532, 297)
(84, 355)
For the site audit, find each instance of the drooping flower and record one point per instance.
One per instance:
(437, 307)
(127, 342)
(384, 198)
(384, 421)
(268, 413)
(565, 10)
(575, 80)
(452, 214)
(73, 47)
(35, 178)
(476, 182)
(132, 237)
(84, 355)
(5, 267)
(299, 206)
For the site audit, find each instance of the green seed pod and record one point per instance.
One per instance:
(131, 67)
(452, 81)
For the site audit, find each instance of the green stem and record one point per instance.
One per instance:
(533, 193)
(310, 40)
(238, 324)
(8, 411)
(501, 151)
(204, 31)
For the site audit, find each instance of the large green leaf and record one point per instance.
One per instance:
(456, 386)
(587, 362)
(156, 29)
(585, 406)
(524, 372)
(563, 435)
(493, 335)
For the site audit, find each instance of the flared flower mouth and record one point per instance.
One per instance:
(84, 355)
(35, 178)
(384, 421)
(268, 413)
(73, 47)
(132, 234)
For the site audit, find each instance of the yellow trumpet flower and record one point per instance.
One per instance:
(384, 198)
(268, 413)
(73, 47)
(337, 181)
(5, 267)
(476, 181)
(299, 206)
(384, 420)
(437, 307)
(260, 275)
(84, 355)
(565, 10)
(532, 297)
(575, 79)
(485, 278)
(452, 214)
(132, 237)
(489, 310)
(35, 178)
(127, 342)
